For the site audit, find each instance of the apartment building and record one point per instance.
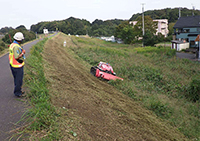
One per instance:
(162, 26)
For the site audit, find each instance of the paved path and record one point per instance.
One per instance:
(186, 55)
(11, 107)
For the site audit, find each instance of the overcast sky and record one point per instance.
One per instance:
(27, 12)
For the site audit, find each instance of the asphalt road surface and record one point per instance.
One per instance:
(186, 55)
(11, 107)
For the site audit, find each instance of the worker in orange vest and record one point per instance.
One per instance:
(16, 59)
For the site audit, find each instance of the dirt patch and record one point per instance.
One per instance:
(92, 108)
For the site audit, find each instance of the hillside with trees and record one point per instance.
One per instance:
(75, 26)
(99, 27)
(132, 34)
(5, 30)
(104, 28)
(150, 39)
(167, 13)
(69, 26)
(8, 33)
(29, 35)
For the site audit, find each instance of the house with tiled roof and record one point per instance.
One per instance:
(187, 29)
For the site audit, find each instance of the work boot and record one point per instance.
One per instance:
(22, 94)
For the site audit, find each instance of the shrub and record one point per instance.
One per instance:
(2, 46)
(28, 35)
(160, 109)
(159, 50)
(194, 110)
(193, 91)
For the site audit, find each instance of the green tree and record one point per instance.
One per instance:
(149, 39)
(79, 26)
(107, 27)
(5, 30)
(22, 27)
(149, 26)
(28, 35)
(171, 29)
(159, 38)
(168, 13)
(125, 32)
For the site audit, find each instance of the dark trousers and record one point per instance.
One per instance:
(18, 74)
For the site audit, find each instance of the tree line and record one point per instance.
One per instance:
(75, 26)
(28, 35)
(9, 33)
(168, 13)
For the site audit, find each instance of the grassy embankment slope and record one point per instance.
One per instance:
(153, 76)
(3, 47)
(148, 105)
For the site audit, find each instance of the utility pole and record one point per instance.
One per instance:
(199, 50)
(143, 24)
(193, 8)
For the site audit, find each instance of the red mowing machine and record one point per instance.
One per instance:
(105, 71)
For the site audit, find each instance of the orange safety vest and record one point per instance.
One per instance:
(13, 62)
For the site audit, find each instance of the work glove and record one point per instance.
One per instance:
(23, 51)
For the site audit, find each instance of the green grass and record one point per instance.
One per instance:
(3, 47)
(41, 115)
(159, 50)
(153, 76)
(164, 44)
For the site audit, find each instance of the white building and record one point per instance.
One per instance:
(162, 26)
(45, 31)
(179, 45)
(111, 39)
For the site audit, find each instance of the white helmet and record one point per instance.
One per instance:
(18, 36)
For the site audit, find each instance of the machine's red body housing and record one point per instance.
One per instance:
(105, 71)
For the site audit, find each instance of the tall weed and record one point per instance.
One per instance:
(193, 91)
(160, 109)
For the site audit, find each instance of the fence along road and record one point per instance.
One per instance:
(11, 107)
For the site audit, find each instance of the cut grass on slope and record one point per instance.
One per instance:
(158, 80)
(92, 109)
(82, 107)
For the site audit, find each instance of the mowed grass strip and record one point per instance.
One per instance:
(41, 117)
(81, 107)
(92, 109)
